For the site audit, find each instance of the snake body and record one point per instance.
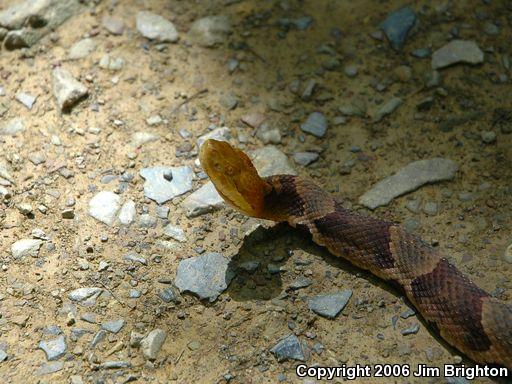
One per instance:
(463, 314)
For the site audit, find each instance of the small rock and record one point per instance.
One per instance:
(85, 296)
(508, 254)
(127, 213)
(207, 275)
(111, 63)
(165, 183)
(220, 134)
(142, 137)
(268, 134)
(457, 51)
(51, 367)
(254, 120)
(55, 348)
(155, 27)
(12, 127)
(81, 49)
(135, 258)
(210, 30)
(66, 89)
(175, 233)
(316, 124)
(114, 26)
(305, 158)
(3, 355)
(411, 330)
(488, 137)
(206, 199)
(152, 343)
(37, 158)
(26, 247)
(113, 326)
(26, 99)
(389, 107)
(288, 348)
(228, 101)
(299, 283)
(154, 120)
(147, 221)
(430, 208)
(169, 295)
(407, 179)
(104, 207)
(329, 305)
(351, 70)
(397, 26)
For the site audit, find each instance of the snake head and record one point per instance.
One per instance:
(234, 176)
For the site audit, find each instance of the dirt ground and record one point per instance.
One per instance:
(230, 339)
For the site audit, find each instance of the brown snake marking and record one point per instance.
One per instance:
(466, 316)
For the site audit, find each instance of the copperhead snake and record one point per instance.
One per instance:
(463, 314)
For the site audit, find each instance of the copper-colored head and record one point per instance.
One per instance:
(234, 176)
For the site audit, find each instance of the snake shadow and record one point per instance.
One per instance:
(262, 259)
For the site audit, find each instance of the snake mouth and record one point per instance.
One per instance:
(234, 176)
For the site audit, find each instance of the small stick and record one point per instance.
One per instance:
(189, 99)
(179, 357)
(112, 293)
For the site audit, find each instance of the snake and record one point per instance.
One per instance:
(464, 315)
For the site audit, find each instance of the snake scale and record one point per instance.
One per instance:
(463, 314)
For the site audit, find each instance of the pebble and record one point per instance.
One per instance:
(114, 26)
(299, 283)
(397, 26)
(113, 326)
(288, 348)
(413, 329)
(421, 53)
(329, 305)
(351, 70)
(210, 31)
(25, 247)
(115, 364)
(111, 63)
(488, 137)
(26, 99)
(104, 206)
(127, 213)
(135, 258)
(250, 266)
(155, 27)
(147, 221)
(154, 120)
(408, 179)
(162, 212)
(220, 134)
(457, 51)
(55, 348)
(268, 134)
(254, 119)
(164, 183)
(152, 343)
(413, 206)
(66, 89)
(175, 233)
(204, 200)
(85, 296)
(411, 225)
(169, 295)
(51, 367)
(12, 127)
(387, 108)
(508, 254)
(315, 124)
(98, 337)
(3, 355)
(430, 208)
(228, 101)
(37, 158)
(305, 158)
(82, 49)
(206, 276)
(143, 137)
